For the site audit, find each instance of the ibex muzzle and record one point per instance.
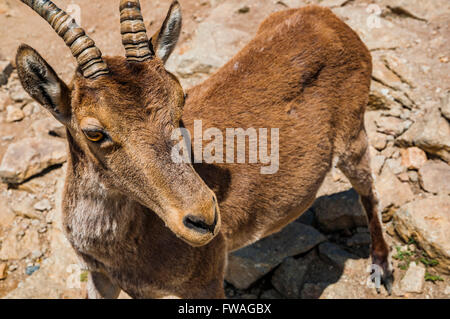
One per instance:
(120, 114)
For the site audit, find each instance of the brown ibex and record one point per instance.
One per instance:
(151, 227)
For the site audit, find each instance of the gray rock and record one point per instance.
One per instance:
(249, 264)
(308, 218)
(339, 211)
(435, 177)
(335, 254)
(288, 279)
(359, 239)
(414, 279)
(271, 294)
(6, 69)
(29, 157)
(313, 290)
(428, 222)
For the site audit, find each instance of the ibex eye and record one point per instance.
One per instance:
(94, 136)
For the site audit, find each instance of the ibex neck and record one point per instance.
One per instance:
(97, 217)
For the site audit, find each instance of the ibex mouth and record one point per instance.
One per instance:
(198, 224)
(196, 229)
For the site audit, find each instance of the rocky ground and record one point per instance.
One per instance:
(322, 255)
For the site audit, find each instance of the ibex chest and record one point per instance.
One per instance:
(99, 226)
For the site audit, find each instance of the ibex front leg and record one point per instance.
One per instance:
(355, 164)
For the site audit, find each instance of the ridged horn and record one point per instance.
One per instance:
(83, 48)
(134, 35)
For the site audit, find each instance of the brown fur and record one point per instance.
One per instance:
(305, 72)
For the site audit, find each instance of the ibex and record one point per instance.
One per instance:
(154, 228)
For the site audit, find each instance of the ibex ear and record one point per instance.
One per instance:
(165, 40)
(42, 83)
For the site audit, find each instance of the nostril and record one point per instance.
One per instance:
(199, 225)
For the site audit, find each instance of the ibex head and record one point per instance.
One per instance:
(120, 113)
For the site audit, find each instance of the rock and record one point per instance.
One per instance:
(288, 279)
(59, 274)
(28, 109)
(391, 193)
(48, 126)
(359, 239)
(417, 9)
(403, 177)
(427, 221)
(414, 279)
(430, 133)
(379, 141)
(413, 176)
(371, 26)
(313, 290)
(377, 162)
(217, 39)
(3, 269)
(413, 157)
(335, 254)
(43, 205)
(404, 69)
(271, 294)
(435, 177)
(447, 291)
(24, 207)
(390, 125)
(385, 76)
(395, 165)
(380, 97)
(4, 101)
(6, 69)
(212, 47)
(445, 106)
(17, 93)
(307, 218)
(249, 264)
(31, 270)
(29, 157)
(339, 211)
(333, 3)
(12, 248)
(14, 114)
(6, 215)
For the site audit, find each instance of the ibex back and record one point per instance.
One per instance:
(151, 226)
